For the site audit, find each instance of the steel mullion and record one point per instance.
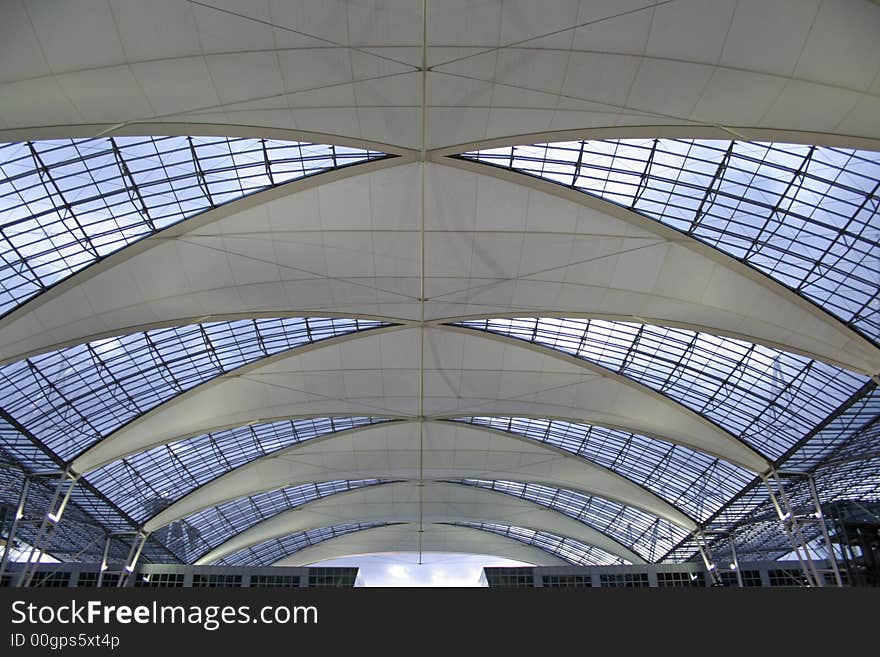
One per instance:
(134, 190)
(200, 175)
(44, 171)
(717, 178)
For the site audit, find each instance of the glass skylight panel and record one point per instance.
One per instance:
(203, 531)
(168, 472)
(695, 482)
(807, 216)
(643, 533)
(768, 398)
(67, 203)
(15, 447)
(74, 397)
(267, 553)
(87, 517)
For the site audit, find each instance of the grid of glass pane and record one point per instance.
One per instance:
(807, 216)
(567, 581)
(574, 552)
(67, 203)
(90, 579)
(275, 581)
(17, 448)
(50, 579)
(787, 577)
(73, 397)
(81, 535)
(216, 581)
(510, 577)
(201, 532)
(332, 577)
(680, 580)
(624, 580)
(750, 578)
(160, 580)
(144, 483)
(267, 553)
(646, 535)
(768, 398)
(694, 482)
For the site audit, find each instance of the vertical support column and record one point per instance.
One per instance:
(711, 566)
(66, 482)
(104, 557)
(134, 554)
(785, 518)
(19, 514)
(820, 517)
(735, 560)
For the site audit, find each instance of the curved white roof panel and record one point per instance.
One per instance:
(492, 247)
(433, 502)
(465, 373)
(354, 70)
(435, 451)
(407, 537)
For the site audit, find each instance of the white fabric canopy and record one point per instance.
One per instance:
(495, 68)
(492, 247)
(436, 451)
(433, 502)
(465, 372)
(433, 538)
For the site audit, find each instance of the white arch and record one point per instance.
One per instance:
(533, 67)
(446, 539)
(440, 451)
(433, 502)
(496, 243)
(377, 372)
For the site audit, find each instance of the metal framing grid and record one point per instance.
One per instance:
(692, 481)
(766, 397)
(74, 397)
(268, 552)
(842, 455)
(58, 404)
(201, 532)
(645, 534)
(794, 410)
(807, 216)
(144, 483)
(67, 203)
(90, 515)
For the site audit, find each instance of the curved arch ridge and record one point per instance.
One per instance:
(446, 451)
(432, 502)
(466, 373)
(446, 539)
(493, 247)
